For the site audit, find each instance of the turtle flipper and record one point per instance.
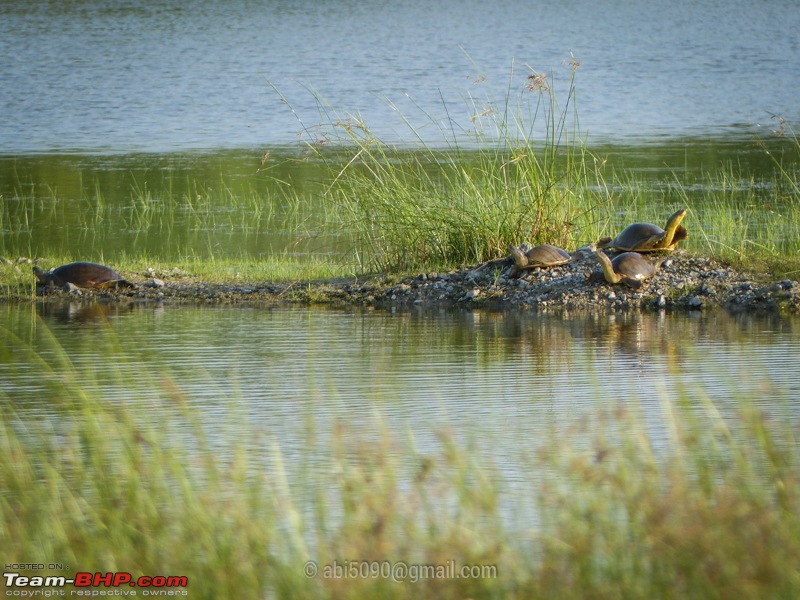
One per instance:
(680, 235)
(115, 284)
(632, 282)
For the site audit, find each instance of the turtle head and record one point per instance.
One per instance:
(675, 220)
(605, 264)
(678, 215)
(518, 254)
(674, 232)
(40, 275)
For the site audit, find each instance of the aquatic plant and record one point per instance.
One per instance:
(431, 207)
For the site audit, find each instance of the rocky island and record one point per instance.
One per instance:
(683, 282)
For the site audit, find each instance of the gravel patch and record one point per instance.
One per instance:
(684, 282)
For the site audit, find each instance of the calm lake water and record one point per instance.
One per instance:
(504, 378)
(166, 75)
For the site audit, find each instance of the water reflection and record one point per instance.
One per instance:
(82, 313)
(499, 382)
(431, 357)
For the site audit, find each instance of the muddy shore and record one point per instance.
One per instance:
(684, 282)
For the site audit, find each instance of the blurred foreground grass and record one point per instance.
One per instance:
(602, 510)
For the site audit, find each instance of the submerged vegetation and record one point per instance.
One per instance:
(683, 503)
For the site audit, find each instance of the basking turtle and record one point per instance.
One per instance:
(630, 268)
(541, 256)
(646, 237)
(82, 274)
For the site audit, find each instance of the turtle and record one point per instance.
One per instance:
(646, 237)
(82, 274)
(540, 256)
(630, 268)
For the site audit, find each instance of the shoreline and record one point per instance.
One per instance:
(684, 282)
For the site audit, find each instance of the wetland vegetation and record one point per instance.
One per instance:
(346, 203)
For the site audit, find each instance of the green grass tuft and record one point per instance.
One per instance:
(435, 207)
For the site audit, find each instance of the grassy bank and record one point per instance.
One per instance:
(18, 276)
(604, 509)
(347, 202)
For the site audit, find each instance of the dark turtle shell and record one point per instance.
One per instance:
(82, 274)
(633, 265)
(630, 268)
(540, 256)
(646, 237)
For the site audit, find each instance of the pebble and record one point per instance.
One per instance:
(694, 302)
(690, 283)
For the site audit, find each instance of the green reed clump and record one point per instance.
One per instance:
(104, 486)
(522, 182)
(606, 509)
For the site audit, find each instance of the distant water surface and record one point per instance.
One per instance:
(167, 75)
